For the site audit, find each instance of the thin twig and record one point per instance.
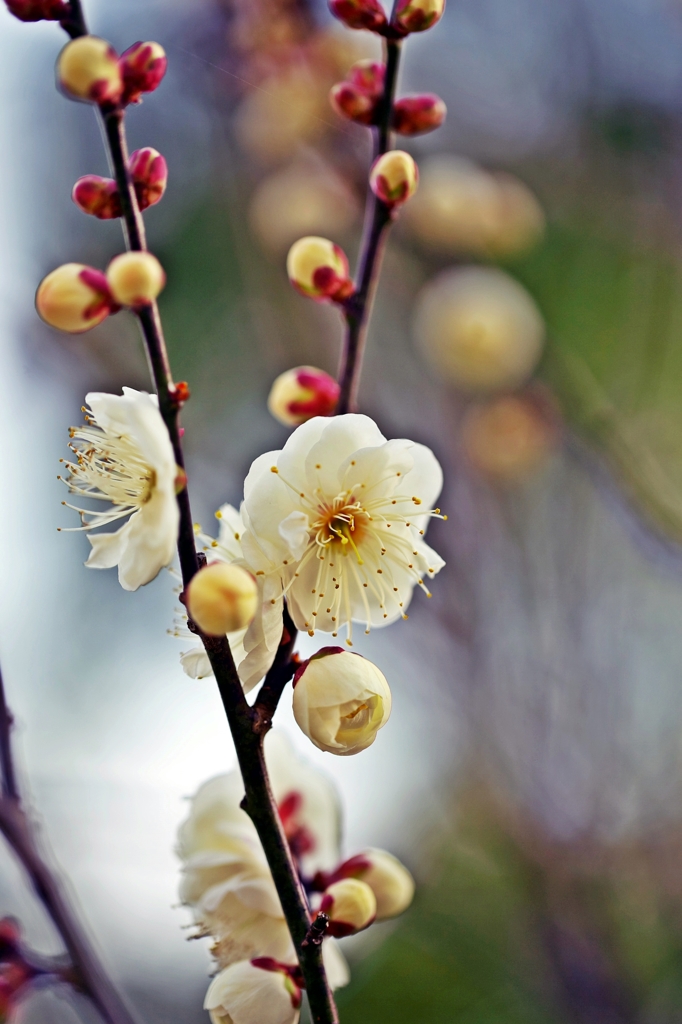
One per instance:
(88, 974)
(246, 724)
(378, 217)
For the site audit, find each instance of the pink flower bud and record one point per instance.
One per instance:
(368, 76)
(299, 394)
(74, 298)
(394, 177)
(416, 114)
(367, 14)
(38, 10)
(351, 906)
(97, 196)
(319, 269)
(135, 278)
(87, 68)
(142, 65)
(417, 15)
(350, 102)
(149, 172)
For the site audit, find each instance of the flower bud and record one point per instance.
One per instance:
(88, 69)
(319, 269)
(394, 177)
(143, 66)
(341, 700)
(414, 115)
(38, 10)
(222, 598)
(391, 882)
(97, 196)
(368, 76)
(299, 394)
(135, 278)
(417, 15)
(367, 14)
(508, 439)
(349, 101)
(149, 172)
(479, 328)
(351, 906)
(260, 991)
(74, 298)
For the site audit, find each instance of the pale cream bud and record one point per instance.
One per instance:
(389, 880)
(318, 269)
(509, 438)
(418, 15)
(88, 69)
(394, 177)
(135, 278)
(245, 993)
(74, 298)
(222, 598)
(479, 328)
(299, 394)
(351, 906)
(341, 700)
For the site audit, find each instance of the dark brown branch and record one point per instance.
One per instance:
(378, 217)
(283, 668)
(10, 790)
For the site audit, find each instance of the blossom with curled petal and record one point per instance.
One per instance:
(124, 457)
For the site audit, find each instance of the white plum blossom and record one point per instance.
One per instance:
(334, 522)
(247, 993)
(124, 456)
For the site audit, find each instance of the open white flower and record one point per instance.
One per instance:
(254, 992)
(336, 520)
(124, 456)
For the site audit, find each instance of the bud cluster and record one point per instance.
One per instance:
(359, 96)
(100, 196)
(408, 15)
(89, 69)
(74, 298)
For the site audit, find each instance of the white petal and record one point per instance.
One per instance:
(195, 663)
(107, 548)
(248, 995)
(295, 532)
(335, 964)
(151, 540)
(340, 438)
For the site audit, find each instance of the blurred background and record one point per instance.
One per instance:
(531, 773)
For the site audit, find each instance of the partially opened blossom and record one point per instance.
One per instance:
(389, 880)
(257, 991)
(124, 456)
(339, 516)
(341, 700)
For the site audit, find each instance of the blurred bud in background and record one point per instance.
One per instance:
(38, 10)
(462, 208)
(479, 328)
(509, 438)
(356, 97)
(97, 196)
(417, 15)
(74, 298)
(367, 14)
(88, 69)
(299, 394)
(414, 115)
(304, 198)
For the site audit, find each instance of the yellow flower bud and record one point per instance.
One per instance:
(351, 906)
(391, 882)
(299, 394)
(479, 328)
(394, 177)
(319, 269)
(74, 298)
(88, 69)
(222, 598)
(135, 278)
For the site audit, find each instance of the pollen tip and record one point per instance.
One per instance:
(349, 642)
(218, 514)
(406, 616)
(273, 469)
(311, 632)
(444, 518)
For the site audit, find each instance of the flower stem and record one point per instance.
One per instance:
(247, 725)
(88, 974)
(378, 217)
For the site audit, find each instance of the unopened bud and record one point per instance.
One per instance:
(319, 269)
(509, 438)
(299, 394)
(351, 906)
(417, 15)
(38, 10)
(260, 991)
(135, 278)
(149, 172)
(351, 102)
(222, 598)
(143, 66)
(394, 177)
(367, 14)
(88, 69)
(479, 328)
(414, 115)
(368, 76)
(389, 880)
(341, 700)
(97, 196)
(74, 298)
